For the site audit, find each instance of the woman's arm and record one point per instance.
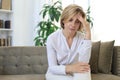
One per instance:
(87, 31)
(84, 51)
(79, 67)
(52, 59)
(86, 27)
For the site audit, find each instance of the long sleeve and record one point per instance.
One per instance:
(84, 50)
(54, 67)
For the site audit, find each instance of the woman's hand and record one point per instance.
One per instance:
(85, 23)
(78, 67)
(85, 27)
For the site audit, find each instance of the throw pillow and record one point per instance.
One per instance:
(105, 57)
(94, 56)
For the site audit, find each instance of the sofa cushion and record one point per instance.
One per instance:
(116, 60)
(105, 57)
(101, 76)
(23, 77)
(23, 60)
(94, 56)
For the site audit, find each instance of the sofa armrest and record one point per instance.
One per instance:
(116, 61)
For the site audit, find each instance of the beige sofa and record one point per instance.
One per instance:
(30, 63)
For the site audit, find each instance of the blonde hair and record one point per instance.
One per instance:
(69, 12)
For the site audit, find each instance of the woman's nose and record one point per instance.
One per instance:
(73, 23)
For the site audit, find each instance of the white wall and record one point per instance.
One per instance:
(83, 3)
(106, 15)
(25, 19)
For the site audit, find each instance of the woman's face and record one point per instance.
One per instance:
(72, 25)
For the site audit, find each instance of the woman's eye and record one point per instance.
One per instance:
(71, 20)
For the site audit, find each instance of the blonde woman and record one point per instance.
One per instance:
(69, 49)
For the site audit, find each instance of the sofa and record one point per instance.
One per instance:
(30, 62)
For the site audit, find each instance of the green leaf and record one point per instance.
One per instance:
(57, 16)
(50, 14)
(44, 13)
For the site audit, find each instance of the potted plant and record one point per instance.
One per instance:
(50, 14)
(88, 17)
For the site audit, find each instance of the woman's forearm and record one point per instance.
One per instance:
(79, 67)
(88, 35)
(87, 32)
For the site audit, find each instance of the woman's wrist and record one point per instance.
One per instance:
(69, 69)
(88, 35)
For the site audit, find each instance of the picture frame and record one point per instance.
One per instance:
(6, 4)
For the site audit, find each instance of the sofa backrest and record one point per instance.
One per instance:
(116, 61)
(23, 60)
(33, 60)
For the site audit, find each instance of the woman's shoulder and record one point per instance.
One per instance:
(53, 37)
(55, 34)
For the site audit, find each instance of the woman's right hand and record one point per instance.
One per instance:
(79, 67)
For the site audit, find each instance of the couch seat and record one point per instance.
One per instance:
(101, 76)
(23, 77)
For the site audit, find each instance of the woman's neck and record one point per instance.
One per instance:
(68, 35)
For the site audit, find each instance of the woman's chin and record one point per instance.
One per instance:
(72, 31)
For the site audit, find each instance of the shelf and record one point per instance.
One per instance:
(6, 33)
(5, 29)
(5, 11)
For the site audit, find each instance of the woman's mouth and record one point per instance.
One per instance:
(72, 29)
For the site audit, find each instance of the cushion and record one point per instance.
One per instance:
(105, 57)
(94, 56)
(101, 76)
(23, 77)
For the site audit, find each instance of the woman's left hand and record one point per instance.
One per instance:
(85, 27)
(85, 23)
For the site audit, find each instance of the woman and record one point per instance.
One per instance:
(69, 49)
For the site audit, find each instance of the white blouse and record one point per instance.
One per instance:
(59, 54)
